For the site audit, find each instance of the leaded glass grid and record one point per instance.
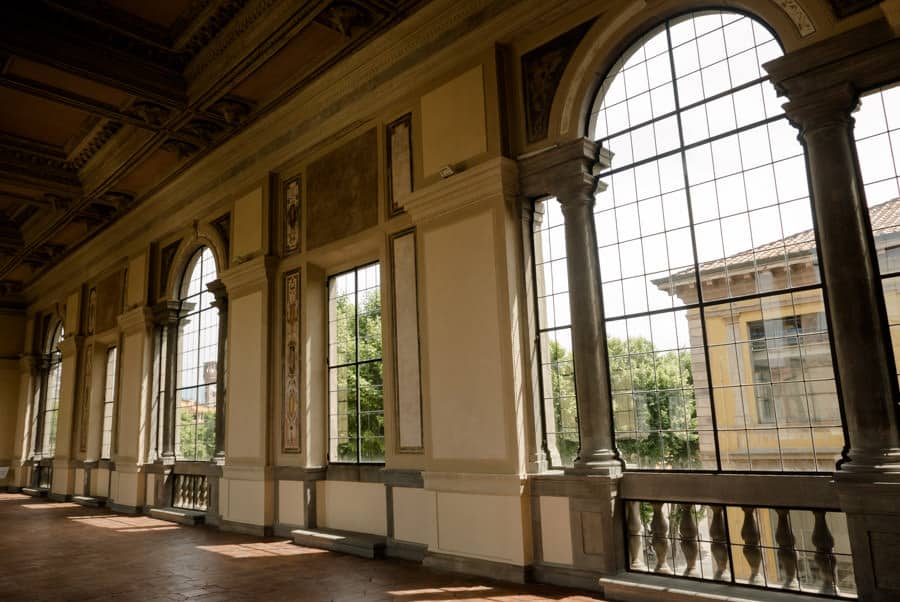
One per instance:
(53, 378)
(559, 409)
(197, 371)
(877, 132)
(355, 371)
(109, 400)
(708, 255)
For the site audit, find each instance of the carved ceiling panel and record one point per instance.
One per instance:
(104, 101)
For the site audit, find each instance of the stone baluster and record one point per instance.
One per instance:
(719, 537)
(825, 561)
(752, 551)
(635, 537)
(687, 531)
(787, 554)
(659, 532)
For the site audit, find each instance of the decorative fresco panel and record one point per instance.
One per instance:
(406, 340)
(399, 162)
(292, 216)
(86, 397)
(291, 358)
(542, 70)
(342, 191)
(92, 311)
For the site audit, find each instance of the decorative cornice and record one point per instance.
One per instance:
(249, 276)
(488, 181)
(100, 138)
(136, 320)
(236, 25)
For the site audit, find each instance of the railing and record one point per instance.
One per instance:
(774, 548)
(190, 492)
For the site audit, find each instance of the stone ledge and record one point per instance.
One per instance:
(405, 550)
(34, 492)
(477, 566)
(640, 587)
(177, 515)
(93, 502)
(356, 544)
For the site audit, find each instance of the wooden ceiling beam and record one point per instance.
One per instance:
(86, 49)
(77, 101)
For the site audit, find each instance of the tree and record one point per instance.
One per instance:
(654, 406)
(359, 345)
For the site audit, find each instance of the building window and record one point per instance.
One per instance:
(47, 415)
(559, 408)
(109, 400)
(877, 132)
(355, 384)
(708, 258)
(197, 370)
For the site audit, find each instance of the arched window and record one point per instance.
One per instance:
(47, 397)
(718, 339)
(197, 370)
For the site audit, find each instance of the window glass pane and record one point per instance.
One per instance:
(877, 131)
(197, 361)
(355, 374)
(709, 266)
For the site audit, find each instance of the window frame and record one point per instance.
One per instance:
(110, 397)
(332, 411)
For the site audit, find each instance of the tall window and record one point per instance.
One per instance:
(355, 383)
(718, 356)
(197, 371)
(50, 383)
(877, 132)
(109, 400)
(559, 409)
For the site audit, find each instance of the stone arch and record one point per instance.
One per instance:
(794, 23)
(202, 235)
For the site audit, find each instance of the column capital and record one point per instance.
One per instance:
(166, 312)
(219, 291)
(566, 171)
(831, 107)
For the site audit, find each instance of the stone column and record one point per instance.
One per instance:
(821, 82)
(566, 172)
(592, 486)
(63, 469)
(217, 288)
(165, 315)
(861, 335)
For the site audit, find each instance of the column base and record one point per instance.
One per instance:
(871, 502)
(871, 464)
(599, 467)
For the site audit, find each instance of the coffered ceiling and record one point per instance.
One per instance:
(103, 101)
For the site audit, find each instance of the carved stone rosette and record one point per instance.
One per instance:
(291, 359)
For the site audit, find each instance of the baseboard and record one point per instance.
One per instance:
(284, 529)
(566, 577)
(405, 550)
(58, 497)
(245, 528)
(477, 566)
(124, 509)
(13, 489)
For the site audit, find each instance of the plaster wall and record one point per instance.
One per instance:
(481, 526)
(352, 506)
(453, 121)
(249, 220)
(246, 422)
(415, 516)
(462, 345)
(290, 503)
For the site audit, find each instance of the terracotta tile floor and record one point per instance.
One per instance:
(62, 551)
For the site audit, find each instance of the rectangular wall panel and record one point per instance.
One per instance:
(406, 339)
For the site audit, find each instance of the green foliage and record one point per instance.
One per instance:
(196, 433)
(653, 402)
(358, 339)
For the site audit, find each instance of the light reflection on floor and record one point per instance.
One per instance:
(258, 550)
